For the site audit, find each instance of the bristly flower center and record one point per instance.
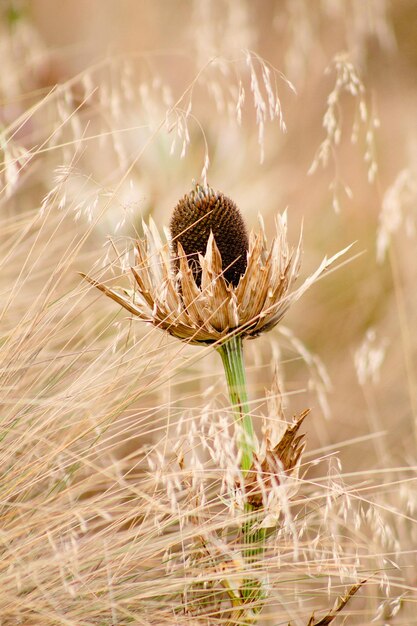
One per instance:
(200, 212)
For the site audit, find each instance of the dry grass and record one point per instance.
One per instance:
(117, 452)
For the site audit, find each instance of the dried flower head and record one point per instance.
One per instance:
(210, 280)
(200, 213)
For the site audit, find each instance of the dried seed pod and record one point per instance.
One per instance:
(203, 315)
(200, 212)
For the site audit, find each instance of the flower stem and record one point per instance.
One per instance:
(252, 591)
(231, 352)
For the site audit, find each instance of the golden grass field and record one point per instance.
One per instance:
(119, 463)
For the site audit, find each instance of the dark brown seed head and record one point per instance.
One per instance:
(202, 211)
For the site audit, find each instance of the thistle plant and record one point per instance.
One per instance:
(212, 283)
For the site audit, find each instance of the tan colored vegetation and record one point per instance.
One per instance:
(117, 450)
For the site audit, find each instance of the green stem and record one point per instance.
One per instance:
(231, 353)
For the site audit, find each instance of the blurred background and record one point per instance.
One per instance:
(109, 110)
